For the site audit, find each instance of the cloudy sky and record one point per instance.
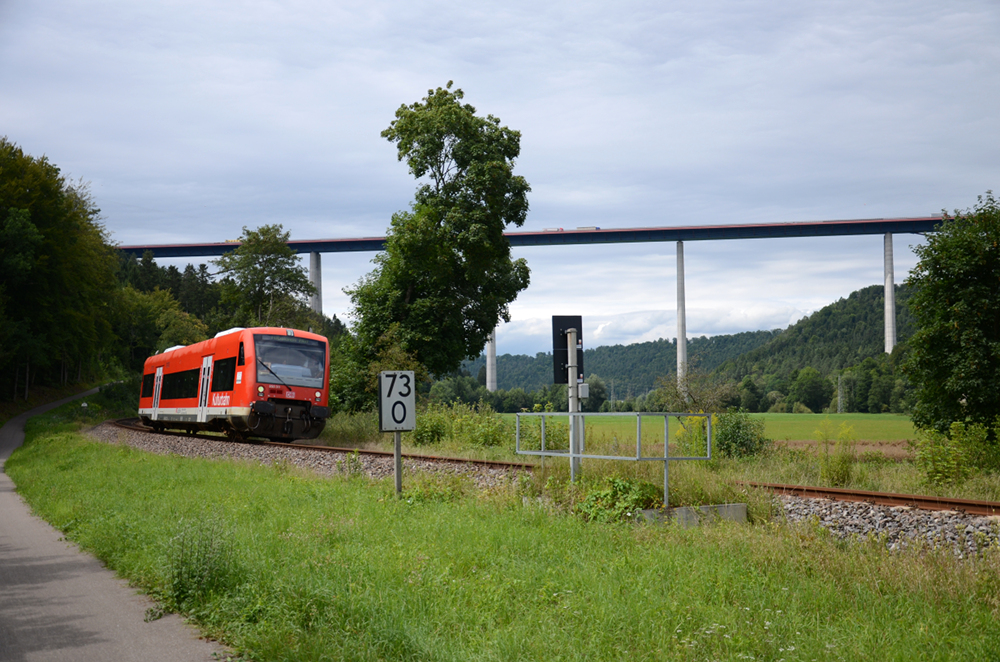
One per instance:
(193, 119)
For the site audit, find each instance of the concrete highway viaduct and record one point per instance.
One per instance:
(559, 237)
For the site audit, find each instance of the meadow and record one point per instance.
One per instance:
(283, 565)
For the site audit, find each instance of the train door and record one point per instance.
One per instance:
(206, 382)
(157, 383)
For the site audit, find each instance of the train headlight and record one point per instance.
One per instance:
(260, 390)
(318, 395)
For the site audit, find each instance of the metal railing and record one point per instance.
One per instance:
(577, 451)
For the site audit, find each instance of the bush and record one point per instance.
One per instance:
(737, 434)
(837, 470)
(120, 398)
(690, 437)
(950, 458)
(432, 426)
(477, 425)
(352, 429)
(619, 500)
(556, 432)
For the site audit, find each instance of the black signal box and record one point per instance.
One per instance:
(560, 352)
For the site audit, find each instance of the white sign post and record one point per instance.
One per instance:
(397, 411)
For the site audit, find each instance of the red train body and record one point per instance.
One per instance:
(262, 382)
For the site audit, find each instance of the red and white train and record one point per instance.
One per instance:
(261, 382)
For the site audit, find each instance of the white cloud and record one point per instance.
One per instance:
(193, 120)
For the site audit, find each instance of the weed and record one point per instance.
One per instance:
(619, 500)
(351, 465)
(446, 488)
(944, 458)
(200, 564)
(837, 469)
(737, 434)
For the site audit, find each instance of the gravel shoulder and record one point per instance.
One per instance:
(324, 463)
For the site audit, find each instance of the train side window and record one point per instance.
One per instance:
(224, 375)
(147, 385)
(241, 361)
(180, 385)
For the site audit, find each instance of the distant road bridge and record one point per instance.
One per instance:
(594, 235)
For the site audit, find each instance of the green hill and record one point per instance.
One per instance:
(840, 335)
(628, 369)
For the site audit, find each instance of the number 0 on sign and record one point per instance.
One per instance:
(396, 401)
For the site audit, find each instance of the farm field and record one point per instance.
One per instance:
(283, 565)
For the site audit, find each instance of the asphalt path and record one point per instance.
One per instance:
(58, 603)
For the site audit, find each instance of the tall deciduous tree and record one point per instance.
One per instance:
(58, 270)
(264, 281)
(446, 277)
(954, 358)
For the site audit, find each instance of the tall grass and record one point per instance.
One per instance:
(285, 566)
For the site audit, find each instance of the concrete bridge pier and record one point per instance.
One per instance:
(682, 352)
(890, 297)
(316, 278)
(491, 362)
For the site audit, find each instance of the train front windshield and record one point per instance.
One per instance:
(289, 360)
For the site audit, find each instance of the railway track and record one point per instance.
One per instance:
(968, 506)
(135, 424)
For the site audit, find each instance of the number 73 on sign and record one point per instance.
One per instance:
(396, 401)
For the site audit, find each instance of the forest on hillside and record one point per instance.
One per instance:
(628, 370)
(832, 358)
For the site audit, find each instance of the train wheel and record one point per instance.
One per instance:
(235, 436)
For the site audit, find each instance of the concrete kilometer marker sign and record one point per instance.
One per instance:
(397, 412)
(397, 401)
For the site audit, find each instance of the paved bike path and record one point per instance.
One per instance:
(60, 604)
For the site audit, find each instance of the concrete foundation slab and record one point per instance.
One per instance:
(689, 516)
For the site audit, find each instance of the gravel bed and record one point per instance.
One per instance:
(900, 526)
(326, 463)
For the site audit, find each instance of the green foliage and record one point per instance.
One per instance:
(738, 434)
(502, 579)
(458, 423)
(833, 338)
(811, 389)
(620, 500)
(201, 565)
(349, 430)
(446, 276)
(433, 425)
(57, 274)
(837, 469)
(437, 488)
(954, 359)
(627, 370)
(943, 458)
(948, 458)
(264, 282)
(691, 436)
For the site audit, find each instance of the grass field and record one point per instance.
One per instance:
(286, 566)
(870, 427)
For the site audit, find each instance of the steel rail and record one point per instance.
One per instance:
(969, 506)
(134, 424)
